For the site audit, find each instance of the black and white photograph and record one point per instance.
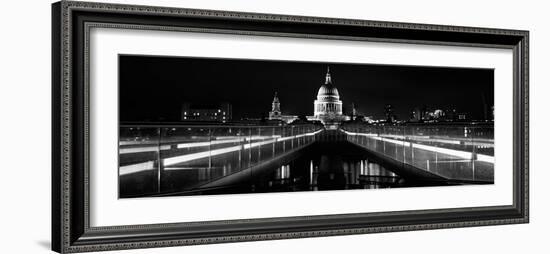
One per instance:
(208, 126)
(275, 127)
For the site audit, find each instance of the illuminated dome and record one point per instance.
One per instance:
(327, 107)
(328, 100)
(328, 90)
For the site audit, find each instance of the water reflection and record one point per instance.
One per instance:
(334, 173)
(320, 168)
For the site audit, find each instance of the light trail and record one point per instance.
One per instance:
(218, 141)
(447, 151)
(134, 168)
(152, 148)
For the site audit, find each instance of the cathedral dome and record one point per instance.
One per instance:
(328, 90)
(327, 108)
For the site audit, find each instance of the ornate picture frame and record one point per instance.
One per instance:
(71, 24)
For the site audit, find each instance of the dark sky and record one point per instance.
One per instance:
(153, 88)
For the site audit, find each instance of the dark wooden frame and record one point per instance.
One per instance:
(71, 22)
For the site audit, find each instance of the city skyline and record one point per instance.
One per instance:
(154, 88)
(181, 131)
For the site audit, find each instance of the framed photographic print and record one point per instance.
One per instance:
(181, 126)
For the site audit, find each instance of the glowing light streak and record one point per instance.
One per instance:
(208, 143)
(195, 156)
(135, 168)
(486, 158)
(142, 149)
(447, 151)
(167, 162)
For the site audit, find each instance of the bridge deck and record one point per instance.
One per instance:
(183, 163)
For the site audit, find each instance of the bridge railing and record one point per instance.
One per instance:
(175, 158)
(464, 153)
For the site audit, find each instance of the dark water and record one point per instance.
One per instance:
(319, 167)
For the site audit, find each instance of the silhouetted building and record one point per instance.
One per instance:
(451, 115)
(438, 114)
(390, 116)
(275, 113)
(427, 115)
(206, 112)
(416, 115)
(462, 116)
(353, 112)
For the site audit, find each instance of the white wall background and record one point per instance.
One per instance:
(25, 125)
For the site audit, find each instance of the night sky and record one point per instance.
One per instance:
(154, 88)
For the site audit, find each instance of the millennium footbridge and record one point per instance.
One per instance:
(209, 159)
